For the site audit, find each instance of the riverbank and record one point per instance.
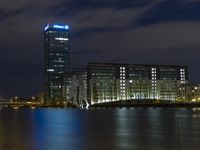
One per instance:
(110, 105)
(183, 105)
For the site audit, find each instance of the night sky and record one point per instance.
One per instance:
(120, 31)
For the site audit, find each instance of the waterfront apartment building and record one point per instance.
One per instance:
(108, 82)
(189, 92)
(56, 60)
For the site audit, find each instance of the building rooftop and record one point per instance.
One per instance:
(127, 64)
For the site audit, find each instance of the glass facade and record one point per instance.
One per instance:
(56, 53)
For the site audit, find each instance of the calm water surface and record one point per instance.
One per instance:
(99, 129)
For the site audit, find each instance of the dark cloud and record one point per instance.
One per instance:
(127, 31)
(6, 15)
(171, 10)
(106, 3)
(76, 6)
(88, 31)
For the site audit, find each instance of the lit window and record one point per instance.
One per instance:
(50, 70)
(182, 69)
(61, 39)
(182, 78)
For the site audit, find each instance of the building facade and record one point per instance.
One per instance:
(108, 82)
(189, 93)
(66, 86)
(75, 87)
(56, 56)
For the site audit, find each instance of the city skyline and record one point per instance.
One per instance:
(144, 32)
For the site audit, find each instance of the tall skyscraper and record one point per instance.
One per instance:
(56, 56)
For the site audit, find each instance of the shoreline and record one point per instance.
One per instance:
(111, 105)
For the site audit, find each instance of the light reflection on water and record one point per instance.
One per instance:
(99, 129)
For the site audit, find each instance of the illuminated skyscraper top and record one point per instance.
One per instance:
(57, 48)
(56, 55)
(55, 26)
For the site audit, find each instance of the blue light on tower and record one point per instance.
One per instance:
(46, 27)
(61, 27)
(65, 27)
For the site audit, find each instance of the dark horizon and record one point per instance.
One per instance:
(137, 32)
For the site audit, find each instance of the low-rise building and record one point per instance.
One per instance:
(189, 92)
(108, 82)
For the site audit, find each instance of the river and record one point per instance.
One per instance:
(100, 129)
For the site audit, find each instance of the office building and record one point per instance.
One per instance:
(56, 56)
(107, 82)
(189, 92)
